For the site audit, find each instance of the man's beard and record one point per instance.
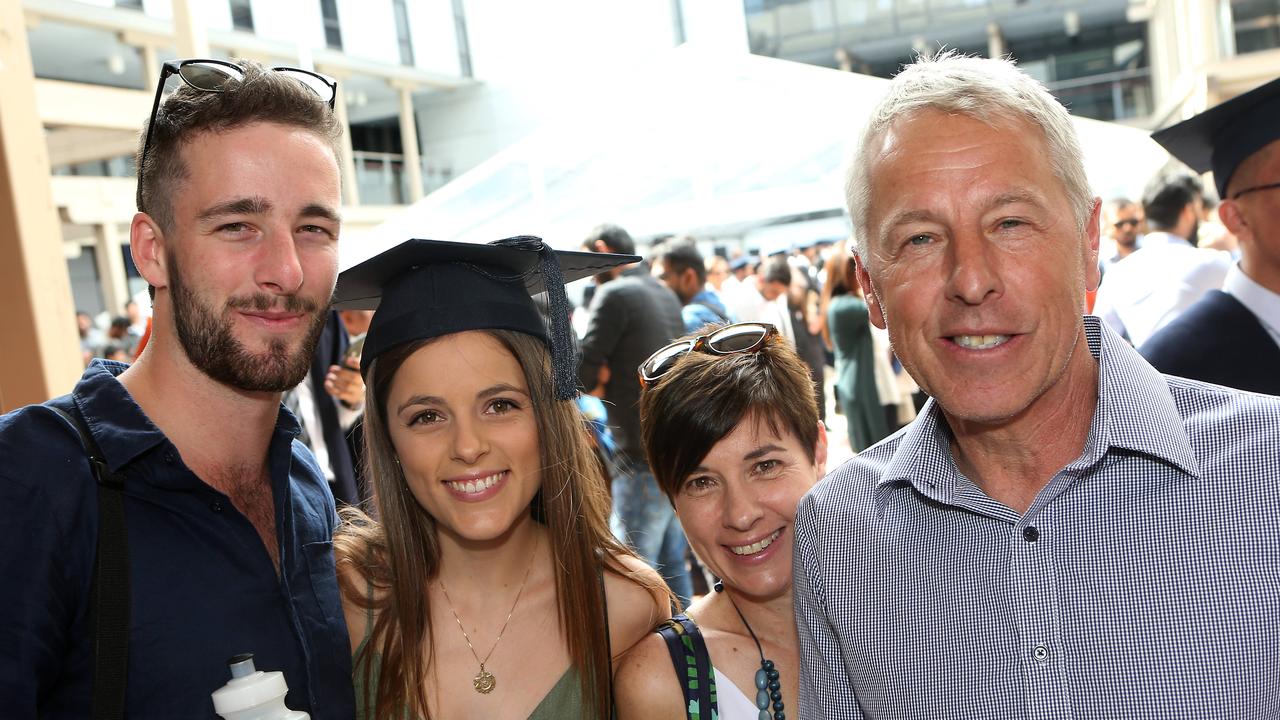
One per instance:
(211, 345)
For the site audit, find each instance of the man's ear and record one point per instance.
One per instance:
(689, 278)
(820, 451)
(1234, 220)
(147, 246)
(1093, 232)
(869, 293)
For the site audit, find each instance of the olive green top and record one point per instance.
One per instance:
(563, 701)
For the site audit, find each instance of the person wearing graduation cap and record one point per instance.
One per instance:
(1232, 337)
(490, 585)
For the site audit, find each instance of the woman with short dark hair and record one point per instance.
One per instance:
(730, 427)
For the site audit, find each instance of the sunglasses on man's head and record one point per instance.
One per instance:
(222, 76)
(730, 339)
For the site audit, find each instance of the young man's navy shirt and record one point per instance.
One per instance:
(202, 585)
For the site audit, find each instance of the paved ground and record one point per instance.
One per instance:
(838, 449)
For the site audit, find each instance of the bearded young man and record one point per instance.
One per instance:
(228, 520)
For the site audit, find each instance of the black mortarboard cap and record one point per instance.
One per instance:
(423, 289)
(1222, 137)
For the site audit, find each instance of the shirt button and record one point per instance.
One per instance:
(1030, 534)
(216, 506)
(1040, 653)
(168, 457)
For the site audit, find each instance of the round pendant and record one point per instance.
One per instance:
(484, 682)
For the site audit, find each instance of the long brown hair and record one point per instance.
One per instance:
(400, 554)
(842, 279)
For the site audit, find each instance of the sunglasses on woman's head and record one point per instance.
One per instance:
(730, 339)
(222, 76)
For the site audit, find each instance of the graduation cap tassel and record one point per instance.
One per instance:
(562, 357)
(561, 342)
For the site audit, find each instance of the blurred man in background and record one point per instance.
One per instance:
(632, 315)
(1121, 230)
(679, 265)
(1168, 273)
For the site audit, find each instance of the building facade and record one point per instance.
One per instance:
(96, 63)
(430, 90)
(1137, 61)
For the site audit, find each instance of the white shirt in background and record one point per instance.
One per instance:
(1156, 283)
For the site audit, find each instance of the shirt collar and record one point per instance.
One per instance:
(1259, 300)
(923, 458)
(119, 425)
(1160, 239)
(706, 296)
(1135, 412)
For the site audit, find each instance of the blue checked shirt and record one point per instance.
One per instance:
(1143, 582)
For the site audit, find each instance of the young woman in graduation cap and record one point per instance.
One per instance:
(490, 586)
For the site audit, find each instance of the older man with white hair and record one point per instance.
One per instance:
(1063, 531)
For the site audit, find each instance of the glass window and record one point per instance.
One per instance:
(1101, 73)
(131, 4)
(402, 32)
(241, 15)
(1256, 24)
(464, 45)
(1097, 50)
(120, 166)
(332, 30)
(115, 63)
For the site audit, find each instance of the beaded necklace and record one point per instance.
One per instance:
(768, 682)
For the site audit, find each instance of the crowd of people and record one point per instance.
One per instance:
(523, 524)
(118, 337)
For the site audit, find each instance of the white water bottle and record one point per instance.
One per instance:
(252, 694)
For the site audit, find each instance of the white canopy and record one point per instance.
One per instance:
(694, 141)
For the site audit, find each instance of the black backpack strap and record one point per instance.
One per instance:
(693, 667)
(109, 597)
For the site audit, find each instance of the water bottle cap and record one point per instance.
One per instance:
(241, 665)
(248, 688)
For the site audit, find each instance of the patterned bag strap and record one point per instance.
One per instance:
(693, 667)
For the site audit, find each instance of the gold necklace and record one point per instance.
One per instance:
(484, 681)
